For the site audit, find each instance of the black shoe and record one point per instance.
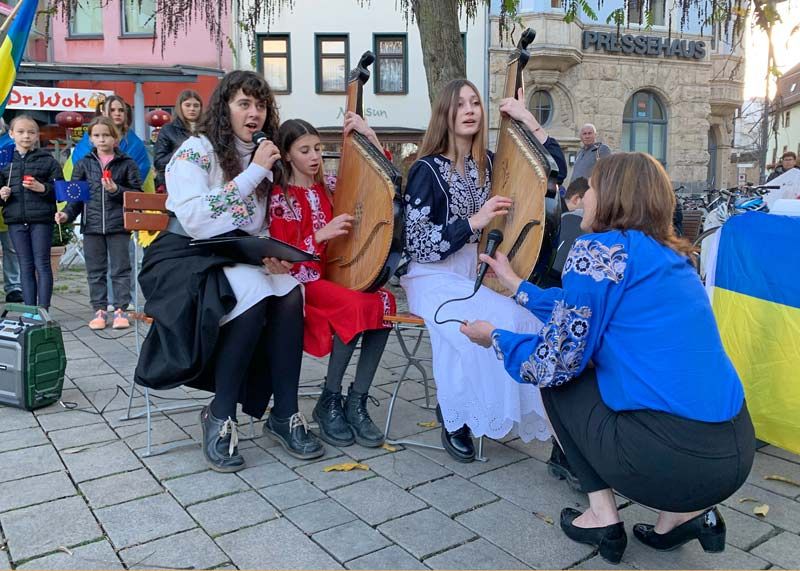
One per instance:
(708, 528)
(355, 411)
(220, 441)
(329, 414)
(14, 297)
(558, 467)
(458, 443)
(610, 540)
(295, 437)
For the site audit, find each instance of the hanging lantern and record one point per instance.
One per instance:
(158, 118)
(69, 119)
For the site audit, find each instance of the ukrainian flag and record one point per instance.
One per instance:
(13, 46)
(756, 300)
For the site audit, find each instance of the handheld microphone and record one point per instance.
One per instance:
(494, 240)
(258, 138)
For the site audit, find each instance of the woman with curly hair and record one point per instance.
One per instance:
(233, 329)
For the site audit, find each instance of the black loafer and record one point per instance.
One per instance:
(295, 437)
(708, 528)
(220, 443)
(457, 443)
(610, 540)
(558, 467)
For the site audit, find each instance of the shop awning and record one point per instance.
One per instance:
(53, 71)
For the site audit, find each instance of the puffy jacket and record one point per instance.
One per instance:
(169, 139)
(26, 206)
(102, 213)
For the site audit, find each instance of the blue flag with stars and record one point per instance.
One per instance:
(72, 190)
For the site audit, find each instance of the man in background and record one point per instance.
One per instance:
(591, 152)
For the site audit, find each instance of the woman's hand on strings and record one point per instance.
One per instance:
(355, 122)
(479, 332)
(276, 266)
(495, 206)
(266, 155)
(502, 270)
(339, 226)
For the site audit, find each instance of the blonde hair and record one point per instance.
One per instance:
(441, 128)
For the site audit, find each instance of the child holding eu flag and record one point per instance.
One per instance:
(109, 174)
(28, 201)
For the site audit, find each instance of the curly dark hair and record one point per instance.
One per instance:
(216, 120)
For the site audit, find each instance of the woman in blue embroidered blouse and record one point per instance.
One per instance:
(635, 380)
(446, 206)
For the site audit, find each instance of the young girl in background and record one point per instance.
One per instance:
(110, 174)
(28, 201)
(188, 109)
(301, 213)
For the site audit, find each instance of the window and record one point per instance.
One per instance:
(786, 118)
(333, 55)
(274, 61)
(541, 105)
(87, 19)
(555, 3)
(138, 17)
(639, 9)
(391, 64)
(644, 126)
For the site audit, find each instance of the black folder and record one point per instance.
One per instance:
(252, 249)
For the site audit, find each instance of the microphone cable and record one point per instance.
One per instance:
(459, 321)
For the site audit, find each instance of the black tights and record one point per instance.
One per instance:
(368, 361)
(261, 350)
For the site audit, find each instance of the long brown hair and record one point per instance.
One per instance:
(104, 109)
(290, 131)
(185, 95)
(440, 134)
(634, 193)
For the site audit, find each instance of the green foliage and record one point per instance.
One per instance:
(66, 235)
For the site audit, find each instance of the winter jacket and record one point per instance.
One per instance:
(169, 139)
(102, 213)
(25, 206)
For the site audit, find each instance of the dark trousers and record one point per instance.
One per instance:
(374, 341)
(32, 243)
(656, 459)
(108, 253)
(261, 350)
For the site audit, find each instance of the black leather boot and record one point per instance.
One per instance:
(355, 411)
(220, 442)
(558, 467)
(329, 414)
(458, 443)
(610, 540)
(293, 434)
(708, 528)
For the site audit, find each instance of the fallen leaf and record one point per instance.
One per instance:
(75, 450)
(783, 479)
(545, 518)
(430, 424)
(345, 467)
(64, 550)
(761, 510)
(389, 447)
(743, 500)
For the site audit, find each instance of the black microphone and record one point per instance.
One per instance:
(494, 240)
(258, 138)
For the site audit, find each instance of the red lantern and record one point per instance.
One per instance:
(69, 119)
(158, 118)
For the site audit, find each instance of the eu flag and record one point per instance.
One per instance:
(72, 190)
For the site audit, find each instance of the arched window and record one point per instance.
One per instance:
(541, 105)
(644, 126)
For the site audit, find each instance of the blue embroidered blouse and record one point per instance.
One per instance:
(637, 310)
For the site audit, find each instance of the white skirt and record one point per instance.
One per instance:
(251, 284)
(472, 385)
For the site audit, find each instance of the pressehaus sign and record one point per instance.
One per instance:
(56, 99)
(647, 46)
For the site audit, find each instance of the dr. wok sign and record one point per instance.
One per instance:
(56, 98)
(648, 46)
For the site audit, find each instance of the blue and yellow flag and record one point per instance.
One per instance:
(13, 46)
(756, 301)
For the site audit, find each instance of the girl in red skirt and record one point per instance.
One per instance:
(301, 213)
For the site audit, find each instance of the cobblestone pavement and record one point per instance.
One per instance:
(77, 493)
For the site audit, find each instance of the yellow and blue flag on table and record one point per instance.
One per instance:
(13, 46)
(756, 300)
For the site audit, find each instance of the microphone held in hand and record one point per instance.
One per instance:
(494, 240)
(258, 138)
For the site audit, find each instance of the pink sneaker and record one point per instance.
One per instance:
(99, 321)
(120, 320)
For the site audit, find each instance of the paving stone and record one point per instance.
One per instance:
(102, 382)
(453, 495)
(72, 398)
(254, 456)
(68, 419)
(23, 438)
(204, 486)
(744, 532)
(405, 418)
(97, 555)
(176, 463)
(162, 431)
(232, 512)
(81, 436)
(783, 512)
(318, 516)
(291, 494)
(351, 540)
(389, 558)
(407, 469)
(766, 465)
(327, 481)
(4, 562)
(120, 488)
(164, 516)
(100, 460)
(539, 449)
(497, 453)
(781, 453)
(91, 367)
(35, 490)
(190, 548)
(783, 550)
(524, 536)
(37, 530)
(478, 554)
(276, 544)
(267, 475)
(425, 533)
(29, 462)
(598, 562)
(16, 419)
(376, 500)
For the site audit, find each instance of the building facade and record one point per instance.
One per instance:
(672, 93)
(784, 124)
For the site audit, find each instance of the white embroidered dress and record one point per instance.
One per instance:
(206, 206)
